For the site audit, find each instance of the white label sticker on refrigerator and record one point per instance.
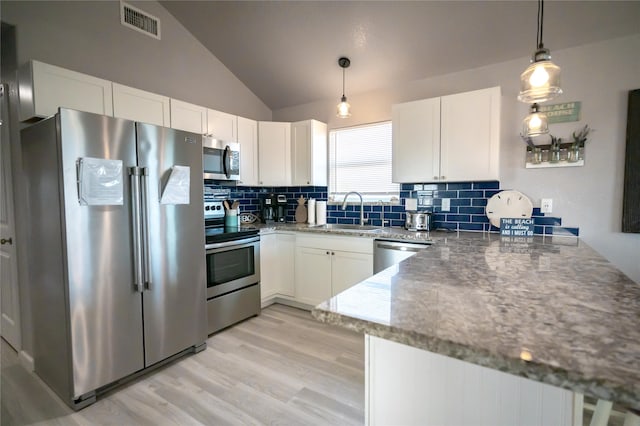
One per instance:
(177, 189)
(100, 182)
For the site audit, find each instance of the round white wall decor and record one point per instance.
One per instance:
(508, 203)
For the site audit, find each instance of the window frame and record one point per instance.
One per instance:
(337, 198)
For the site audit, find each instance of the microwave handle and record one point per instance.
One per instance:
(226, 161)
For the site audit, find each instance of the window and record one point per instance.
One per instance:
(360, 160)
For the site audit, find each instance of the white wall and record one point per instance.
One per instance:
(590, 197)
(87, 36)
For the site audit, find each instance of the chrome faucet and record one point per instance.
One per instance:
(344, 206)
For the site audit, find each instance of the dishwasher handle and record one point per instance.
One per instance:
(413, 247)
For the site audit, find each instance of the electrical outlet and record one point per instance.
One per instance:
(446, 204)
(546, 205)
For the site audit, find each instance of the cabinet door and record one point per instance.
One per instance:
(470, 135)
(248, 140)
(274, 153)
(309, 153)
(416, 141)
(138, 105)
(286, 250)
(188, 117)
(312, 275)
(348, 269)
(43, 88)
(301, 153)
(221, 125)
(268, 266)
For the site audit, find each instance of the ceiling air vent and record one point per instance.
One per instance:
(139, 20)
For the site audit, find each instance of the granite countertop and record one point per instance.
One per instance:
(550, 309)
(389, 233)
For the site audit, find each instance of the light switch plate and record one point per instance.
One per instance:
(446, 204)
(546, 205)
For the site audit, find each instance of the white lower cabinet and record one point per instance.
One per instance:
(313, 275)
(326, 266)
(276, 265)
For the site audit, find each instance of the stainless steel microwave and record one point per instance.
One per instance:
(221, 160)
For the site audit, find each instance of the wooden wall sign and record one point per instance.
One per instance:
(562, 113)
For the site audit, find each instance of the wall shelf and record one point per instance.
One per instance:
(545, 156)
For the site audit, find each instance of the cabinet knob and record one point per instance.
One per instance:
(307, 182)
(435, 177)
(332, 254)
(443, 177)
(327, 252)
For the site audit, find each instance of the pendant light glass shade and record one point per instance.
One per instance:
(344, 109)
(540, 82)
(535, 124)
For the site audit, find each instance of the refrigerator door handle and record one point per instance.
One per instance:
(137, 225)
(145, 228)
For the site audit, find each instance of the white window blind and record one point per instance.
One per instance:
(360, 160)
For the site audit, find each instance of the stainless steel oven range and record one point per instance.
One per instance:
(233, 269)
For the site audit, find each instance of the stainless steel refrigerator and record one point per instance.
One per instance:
(117, 262)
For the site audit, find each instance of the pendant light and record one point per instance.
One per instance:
(540, 82)
(535, 124)
(344, 107)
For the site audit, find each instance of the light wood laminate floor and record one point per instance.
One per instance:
(281, 367)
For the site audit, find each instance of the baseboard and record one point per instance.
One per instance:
(26, 360)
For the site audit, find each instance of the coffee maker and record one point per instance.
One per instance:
(267, 211)
(280, 207)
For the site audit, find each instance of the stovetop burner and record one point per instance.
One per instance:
(222, 234)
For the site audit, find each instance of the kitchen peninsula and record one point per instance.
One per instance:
(451, 321)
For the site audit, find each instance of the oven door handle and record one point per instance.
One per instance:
(234, 243)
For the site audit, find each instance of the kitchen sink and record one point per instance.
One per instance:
(350, 228)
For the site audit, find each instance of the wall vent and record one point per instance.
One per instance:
(139, 20)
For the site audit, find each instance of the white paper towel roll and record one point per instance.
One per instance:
(321, 212)
(311, 211)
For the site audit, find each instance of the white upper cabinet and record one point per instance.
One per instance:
(309, 153)
(188, 117)
(274, 153)
(138, 105)
(453, 138)
(470, 135)
(222, 126)
(43, 88)
(416, 141)
(248, 140)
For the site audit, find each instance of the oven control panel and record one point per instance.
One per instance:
(213, 209)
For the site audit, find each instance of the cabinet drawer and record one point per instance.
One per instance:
(352, 244)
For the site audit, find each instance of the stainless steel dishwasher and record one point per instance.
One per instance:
(391, 252)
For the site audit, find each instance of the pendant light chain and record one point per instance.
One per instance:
(539, 43)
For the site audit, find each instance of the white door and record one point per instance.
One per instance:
(470, 135)
(248, 140)
(10, 325)
(137, 105)
(416, 141)
(221, 125)
(348, 269)
(274, 153)
(300, 153)
(313, 275)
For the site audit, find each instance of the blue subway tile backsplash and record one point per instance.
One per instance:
(467, 206)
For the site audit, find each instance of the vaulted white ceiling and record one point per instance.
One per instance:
(286, 52)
